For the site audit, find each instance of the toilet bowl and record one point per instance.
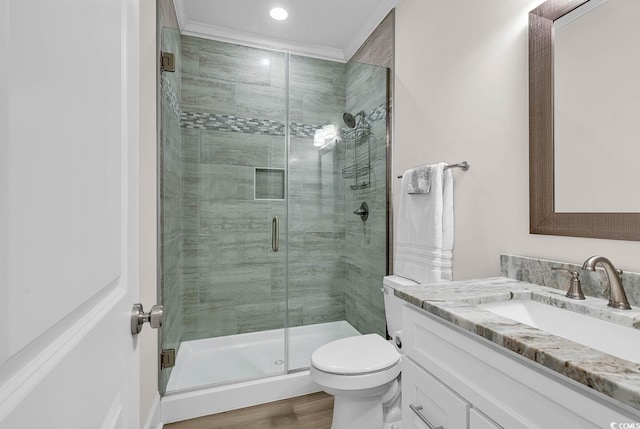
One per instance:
(357, 371)
(363, 372)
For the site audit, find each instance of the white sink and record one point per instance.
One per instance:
(611, 338)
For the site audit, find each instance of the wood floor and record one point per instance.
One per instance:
(305, 412)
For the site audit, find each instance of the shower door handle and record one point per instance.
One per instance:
(275, 234)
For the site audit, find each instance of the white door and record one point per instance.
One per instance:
(68, 213)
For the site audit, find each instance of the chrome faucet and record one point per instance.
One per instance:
(617, 297)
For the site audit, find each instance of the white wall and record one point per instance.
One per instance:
(4, 177)
(148, 278)
(462, 94)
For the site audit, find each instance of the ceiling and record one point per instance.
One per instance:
(329, 29)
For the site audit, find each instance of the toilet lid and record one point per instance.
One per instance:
(355, 355)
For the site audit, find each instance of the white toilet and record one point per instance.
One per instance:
(362, 372)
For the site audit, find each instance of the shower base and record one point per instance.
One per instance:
(220, 374)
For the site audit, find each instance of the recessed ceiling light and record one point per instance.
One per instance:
(278, 13)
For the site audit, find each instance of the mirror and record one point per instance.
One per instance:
(563, 187)
(596, 107)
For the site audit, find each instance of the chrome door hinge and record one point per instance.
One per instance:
(168, 358)
(167, 62)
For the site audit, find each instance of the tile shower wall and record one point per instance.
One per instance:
(171, 196)
(316, 196)
(233, 118)
(366, 242)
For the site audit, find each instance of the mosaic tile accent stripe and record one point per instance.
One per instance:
(303, 130)
(236, 124)
(217, 122)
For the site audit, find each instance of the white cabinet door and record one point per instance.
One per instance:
(477, 420)
(426, 398)
(68, 213)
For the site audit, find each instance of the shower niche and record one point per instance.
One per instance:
(269, 183)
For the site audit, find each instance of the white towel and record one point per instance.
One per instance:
(424, 238)
(420, 179)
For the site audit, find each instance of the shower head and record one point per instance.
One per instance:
(349, 120)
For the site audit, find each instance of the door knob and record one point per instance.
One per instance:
(139, 317)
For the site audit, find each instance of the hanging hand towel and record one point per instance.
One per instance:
(424, 239)
(420, 179)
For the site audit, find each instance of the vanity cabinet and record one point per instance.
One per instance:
(463, 381)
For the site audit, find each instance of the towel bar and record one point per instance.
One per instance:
(464, 165)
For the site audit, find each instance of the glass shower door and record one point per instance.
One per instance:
(336, 260)
(223, 208)
(169, 200)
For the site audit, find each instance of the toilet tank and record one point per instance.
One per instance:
(393, 304)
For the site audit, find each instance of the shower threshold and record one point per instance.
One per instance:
(241, 357)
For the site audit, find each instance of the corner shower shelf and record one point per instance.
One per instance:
(357, 143)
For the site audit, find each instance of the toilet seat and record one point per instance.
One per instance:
(356, 363)
(364, 354)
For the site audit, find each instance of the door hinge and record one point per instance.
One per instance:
(167, 62)
(167, 358)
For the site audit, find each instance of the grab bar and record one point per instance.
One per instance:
(418, 410)
(275, 234)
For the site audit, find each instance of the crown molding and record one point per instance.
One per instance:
(224, 34)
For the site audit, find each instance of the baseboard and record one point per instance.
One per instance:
(153, 420)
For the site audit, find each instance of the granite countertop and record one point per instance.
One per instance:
(457, 303)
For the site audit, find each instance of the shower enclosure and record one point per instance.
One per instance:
(262, 258)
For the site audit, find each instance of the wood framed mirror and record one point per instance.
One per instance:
(544, 219)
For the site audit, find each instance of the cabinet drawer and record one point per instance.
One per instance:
(432, 399)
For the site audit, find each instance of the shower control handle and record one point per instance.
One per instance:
(139, 317)
(275, 234)
(363, 212)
